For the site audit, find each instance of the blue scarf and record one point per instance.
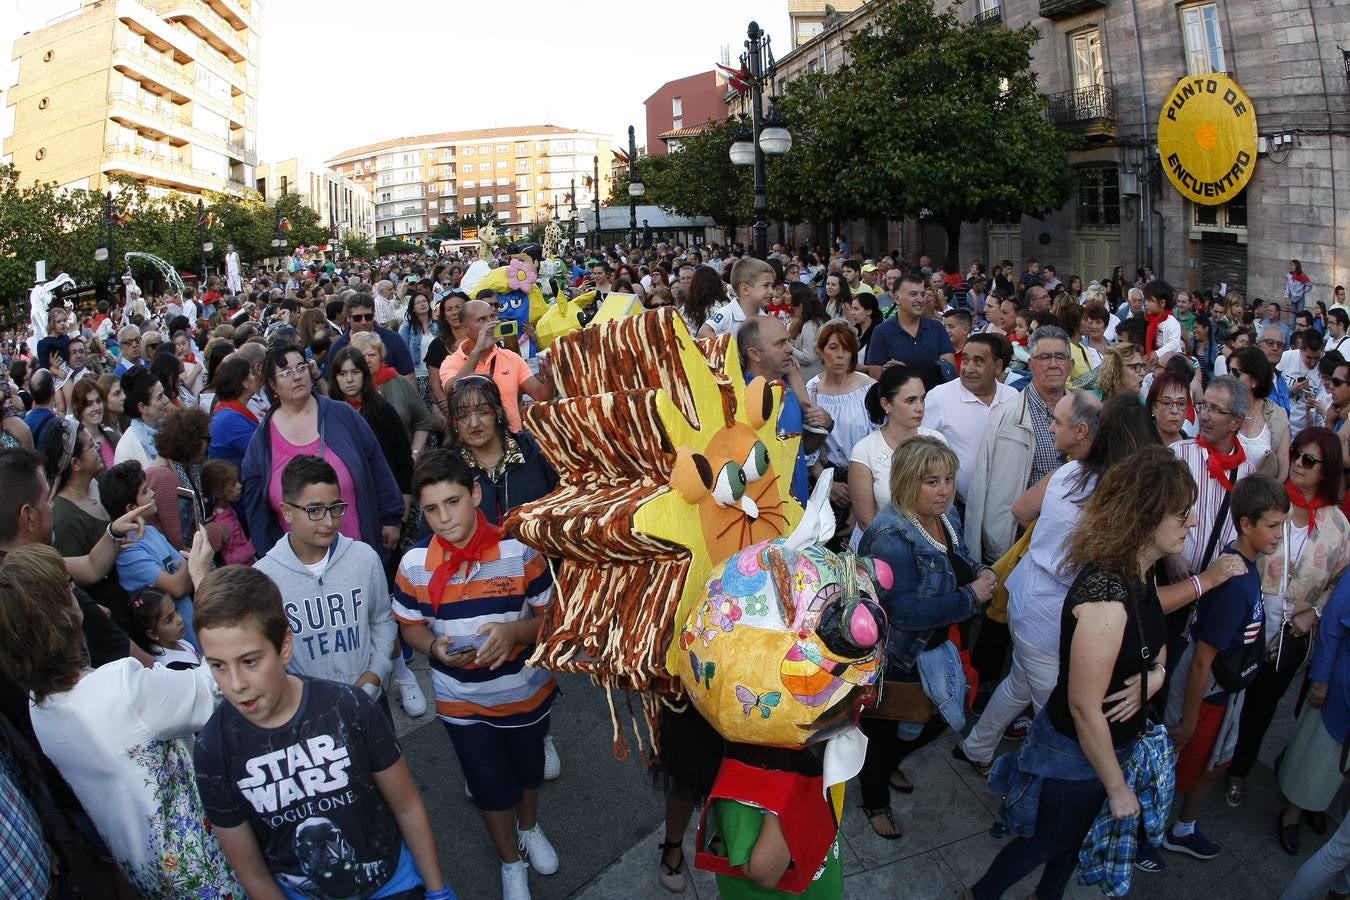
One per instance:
(146, 435)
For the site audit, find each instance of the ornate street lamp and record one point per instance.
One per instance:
(764, 135)
(635, 188)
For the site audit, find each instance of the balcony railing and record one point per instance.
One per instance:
(163, 112)
(989, 17)
(1090, 110)
(209, 19)
(176, 165)
(1062, 9)
(153, 64)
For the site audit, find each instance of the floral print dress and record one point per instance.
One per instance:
(122, 739)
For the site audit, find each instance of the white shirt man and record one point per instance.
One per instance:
(959, 410)
(1299, 370)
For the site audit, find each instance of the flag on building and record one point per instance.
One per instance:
(738, 79)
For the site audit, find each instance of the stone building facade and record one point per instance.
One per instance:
(1107, 67)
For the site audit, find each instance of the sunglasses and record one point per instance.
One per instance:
(1308, 460)
(368, 317)
(1337, 382)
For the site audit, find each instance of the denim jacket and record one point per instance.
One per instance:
(923, 596)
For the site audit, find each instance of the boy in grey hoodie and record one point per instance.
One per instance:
(333, 589)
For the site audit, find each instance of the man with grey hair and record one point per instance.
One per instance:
(1018, 450)
(1133, 307)
(129, 341)
(1036, 588)
(1216, 460)
(384, 303)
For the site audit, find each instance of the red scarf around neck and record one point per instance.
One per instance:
(485, 536)
(237, 407)
(1220, 464)
(386, 373)
(1154, 323)
(1311, 505)
(353, 402)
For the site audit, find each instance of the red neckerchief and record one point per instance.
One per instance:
(353, 402)
(485, 536)
(1296, 497)
(1220, 464)
(1154, 323)
(386, 373)
(237, 407)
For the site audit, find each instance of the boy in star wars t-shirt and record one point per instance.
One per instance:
(302, 778)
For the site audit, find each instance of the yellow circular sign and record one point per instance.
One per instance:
(1207, 138)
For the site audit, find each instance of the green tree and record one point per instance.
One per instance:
(929, 116)
(357, 245)
(39, 222)
(699, 179)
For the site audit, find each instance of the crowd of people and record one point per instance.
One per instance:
(1122, 504)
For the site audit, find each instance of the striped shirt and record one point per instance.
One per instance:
(507, 585)
(1209, 499)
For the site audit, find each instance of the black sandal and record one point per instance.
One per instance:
(672, 877)
(890, 820)
(907, 787)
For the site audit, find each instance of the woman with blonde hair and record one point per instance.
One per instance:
(397, 391)
(1122, 371)
(936, 583)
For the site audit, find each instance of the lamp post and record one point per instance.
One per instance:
(765, 135)
(635, 189)
(596, 193)
(573, 215)
(278, 239)
(203, 240)
(105, 253)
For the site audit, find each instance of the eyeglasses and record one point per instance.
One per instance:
(482, 411)
(1337, 382)
(1202, 406)
(317, 513)
(1138, 368)
(291, 373)
(1236, 373)
(1051, 357)
(1308, 460)
(368, 317)
(1183, 518)
(1271, 343)
(1173, 405)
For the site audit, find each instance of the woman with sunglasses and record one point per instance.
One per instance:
(509, 467)
(302, 423)
(1296, 581)
(1265, 432)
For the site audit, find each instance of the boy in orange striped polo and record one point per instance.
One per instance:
(472, 600)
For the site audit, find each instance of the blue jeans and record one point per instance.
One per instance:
(1065, 814)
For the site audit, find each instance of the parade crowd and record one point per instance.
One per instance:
(230, 518)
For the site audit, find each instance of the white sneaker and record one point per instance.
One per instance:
(516, 880)
(410, 695)
(552, 763)
(535, 847)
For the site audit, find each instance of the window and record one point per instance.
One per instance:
(522, 165)
(502, 165)
(467, 151)
(502, 148)
(285, 183)
(1087, 59)
(1204, 44)
(1098, 196)
(523, 148)
(677, 122)
(523, 184)
(469, 185)
(1232, 214)
(485, 167)
(503, 198)
(504, 215)
(484, 149)
(447, 155)
(677, 107)
(502, 181)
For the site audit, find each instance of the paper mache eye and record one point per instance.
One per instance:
(730, 486)
(757, 462)
(692, 475)
(758, 401)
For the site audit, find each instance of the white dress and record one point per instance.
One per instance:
(122, 739)
(851, 422)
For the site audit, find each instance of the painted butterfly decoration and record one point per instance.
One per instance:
(703, 672)
(750, 701)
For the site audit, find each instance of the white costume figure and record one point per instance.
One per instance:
(233, 278)
(39, 302)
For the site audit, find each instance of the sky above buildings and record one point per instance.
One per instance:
(342, 73)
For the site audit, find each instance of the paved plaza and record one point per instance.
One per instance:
(604, 817)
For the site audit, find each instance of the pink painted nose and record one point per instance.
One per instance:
(863, 628)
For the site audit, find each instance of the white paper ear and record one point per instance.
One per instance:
(843, 757)
(817, 524)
